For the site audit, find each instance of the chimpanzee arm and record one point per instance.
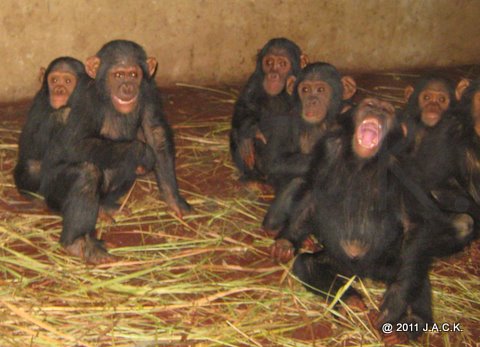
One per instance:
(159, 137)
(415, 261)
(246, 113)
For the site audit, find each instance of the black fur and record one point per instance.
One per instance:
(43, 122)
(254, 104)
(95, 157)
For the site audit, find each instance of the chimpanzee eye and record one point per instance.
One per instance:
(54, 80)
(68, 81)
(321, 89)
(442, 99)
(426, 97)
(283, 63)
(133, 74)
(118, 75)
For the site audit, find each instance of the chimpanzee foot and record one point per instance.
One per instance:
(463, 225)
(90, 250)
(282, 250)
(179, 205)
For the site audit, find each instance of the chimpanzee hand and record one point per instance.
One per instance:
(393, 306)
(282, 250)
(247, 152)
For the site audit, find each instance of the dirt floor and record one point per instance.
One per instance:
(206, 280)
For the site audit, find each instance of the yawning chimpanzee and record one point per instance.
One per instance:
(371, 219)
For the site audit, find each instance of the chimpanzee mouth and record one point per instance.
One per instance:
(125, 102)
(273, 76)
(369, 133)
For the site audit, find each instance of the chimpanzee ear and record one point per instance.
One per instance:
(304, 60)
(407, 93)
(404, 129)
(91, 66)
(290, 84)
(152, 65)
(461, 87)
(41, 74)
(349, 87)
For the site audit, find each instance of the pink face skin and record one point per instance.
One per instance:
(123, 81)
(433, 101)
(315, 96)
(61, 84)
(276, 66)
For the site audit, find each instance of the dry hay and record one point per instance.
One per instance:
(203, 281)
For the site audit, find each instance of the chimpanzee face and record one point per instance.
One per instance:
(373, 121)
(61, 84)
(123, 83)
(433, 101)
(315, 96)
(276, 66)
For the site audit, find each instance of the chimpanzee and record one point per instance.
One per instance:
(46, 116)
(461, 192)
(264, 93)
(317, 101)
(116, 130)
(427, 103)
(438, 144)
(429, 99)
(368, 216)
(469, 113)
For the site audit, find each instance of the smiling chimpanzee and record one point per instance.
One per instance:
(364, 211)
(317, 101)
(47, 115)
(116, 130)
(264, 93)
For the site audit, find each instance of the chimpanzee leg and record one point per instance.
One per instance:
(420, 310)
(132, 159)
(319, 273)
(80, 207)
(280, 209)
(75, 191)
(27, 175)
(452, 234)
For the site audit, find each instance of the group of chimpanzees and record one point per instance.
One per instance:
(91, 131)
(382, 191)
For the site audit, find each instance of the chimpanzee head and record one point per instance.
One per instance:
(276, 61)
(374, 121)
(318, 91)
(60, 79)
(119, 68)
(429, 99)
(469, 105)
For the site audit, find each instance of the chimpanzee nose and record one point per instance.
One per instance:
(128, 88)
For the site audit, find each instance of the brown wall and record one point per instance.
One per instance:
(215, 41)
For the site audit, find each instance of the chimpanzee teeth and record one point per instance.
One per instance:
(123, 102)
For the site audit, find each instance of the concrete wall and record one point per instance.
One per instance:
(215, 41)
